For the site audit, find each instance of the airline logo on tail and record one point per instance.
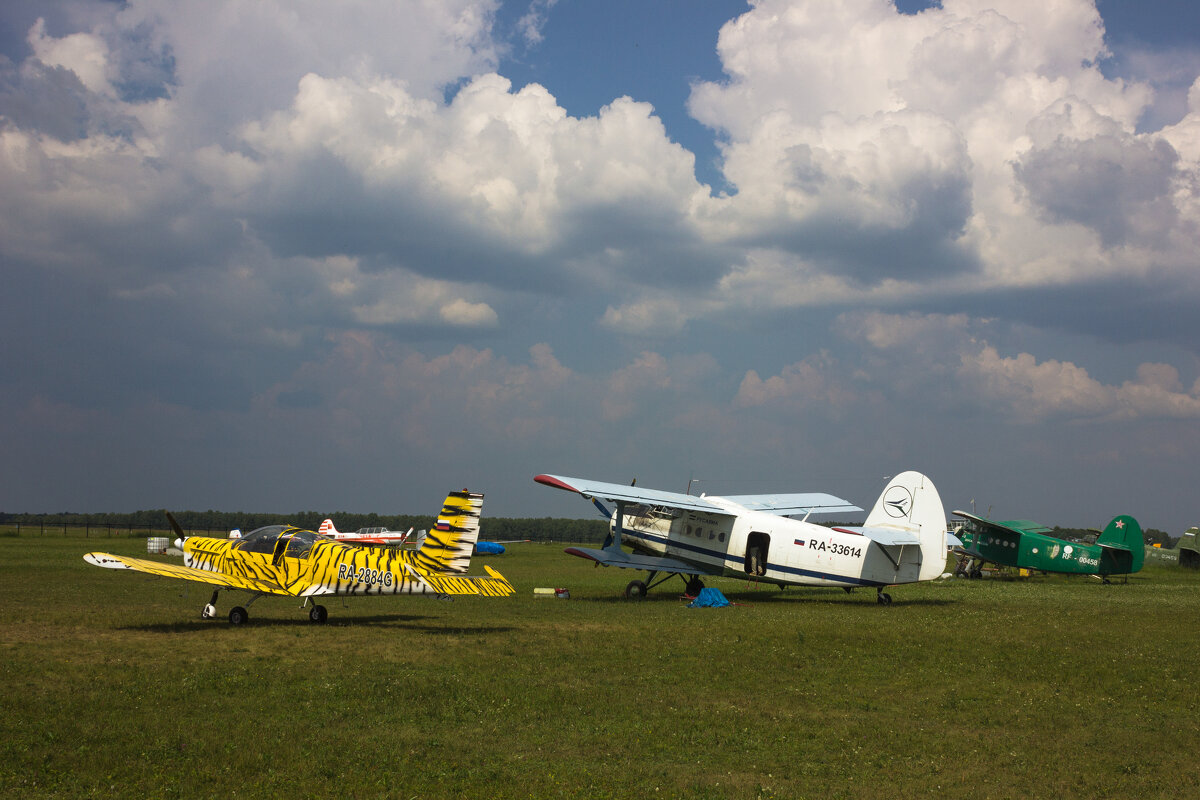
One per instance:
(897, 502)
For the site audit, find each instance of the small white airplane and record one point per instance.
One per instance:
(903, 540)
(380, 536)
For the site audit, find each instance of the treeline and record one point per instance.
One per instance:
(221, 522)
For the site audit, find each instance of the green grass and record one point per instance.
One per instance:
(1044, 687)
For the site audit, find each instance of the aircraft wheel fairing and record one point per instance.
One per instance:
(318, 614)
(208, 612)
(636, 590)
(238, 616)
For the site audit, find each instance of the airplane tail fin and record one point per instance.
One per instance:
(910, 503)
(1123, 544)
(448, 546)
(328, 529)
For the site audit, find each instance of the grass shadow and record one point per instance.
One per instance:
(407, 621)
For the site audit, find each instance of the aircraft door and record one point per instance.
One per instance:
(758, 547)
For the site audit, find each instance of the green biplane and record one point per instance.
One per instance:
(1185, 553)
(1119, 550)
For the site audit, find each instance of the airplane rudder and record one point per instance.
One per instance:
(448, 545)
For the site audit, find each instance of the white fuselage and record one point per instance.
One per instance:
(746, 543)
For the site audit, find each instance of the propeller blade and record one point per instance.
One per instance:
(175, 526)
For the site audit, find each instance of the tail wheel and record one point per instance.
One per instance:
(636, 590)
(318, 614)
(238, 616)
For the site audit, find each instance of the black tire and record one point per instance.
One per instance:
(636, 590)
(318, 614)
(694, 586)
(238, 616)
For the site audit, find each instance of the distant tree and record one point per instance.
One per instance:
(1155, 536)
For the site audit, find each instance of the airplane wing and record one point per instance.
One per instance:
(109, 561)
(1011, 526)
(888, 537)
(630, 494)
(613, 557)
(781, 504)
(786, 505)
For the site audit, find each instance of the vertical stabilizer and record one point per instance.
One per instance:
(448, 545)
(910, 502)
(1124, 546)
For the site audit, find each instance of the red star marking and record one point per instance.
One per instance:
(1120, 523)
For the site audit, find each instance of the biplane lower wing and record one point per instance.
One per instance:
(613, 557)
(223, 580)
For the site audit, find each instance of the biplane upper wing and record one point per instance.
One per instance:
(110, 561)
(780, 504)
(614, 557)
(786, 505)
(618, 492)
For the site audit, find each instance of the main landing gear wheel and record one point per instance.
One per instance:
(883, 598)
(318, 614)
(636, 590)
(238, 616)
(694, 586)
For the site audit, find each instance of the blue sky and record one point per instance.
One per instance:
(315, 257)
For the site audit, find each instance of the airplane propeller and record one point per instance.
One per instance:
(175, 526)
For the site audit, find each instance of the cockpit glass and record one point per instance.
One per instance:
(262, 540)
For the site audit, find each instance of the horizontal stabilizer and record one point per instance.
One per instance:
(612, 557)
(888, 537)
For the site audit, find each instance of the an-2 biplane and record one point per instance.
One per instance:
(754, 536)
(288, 561)
(1119, 549)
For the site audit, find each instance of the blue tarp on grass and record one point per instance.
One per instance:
(709, 598)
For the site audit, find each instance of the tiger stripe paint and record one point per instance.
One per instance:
(306, 564)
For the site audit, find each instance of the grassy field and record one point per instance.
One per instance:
(1047, 687)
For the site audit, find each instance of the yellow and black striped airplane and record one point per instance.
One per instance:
(283, 560)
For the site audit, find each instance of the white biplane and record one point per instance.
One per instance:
(756, 537)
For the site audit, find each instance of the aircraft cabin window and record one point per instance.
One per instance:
(261, 540)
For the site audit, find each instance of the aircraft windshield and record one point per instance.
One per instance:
(262, 540)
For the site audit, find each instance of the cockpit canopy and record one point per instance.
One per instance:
(263, 540)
